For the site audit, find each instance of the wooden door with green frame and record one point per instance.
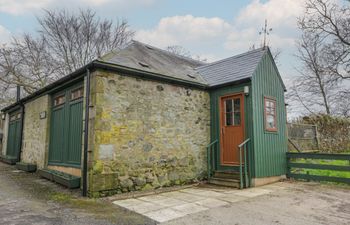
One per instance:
(231, 128)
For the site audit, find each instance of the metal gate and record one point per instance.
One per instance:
(66, 127)
(14, 136)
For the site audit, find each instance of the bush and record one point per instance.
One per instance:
(333, 132)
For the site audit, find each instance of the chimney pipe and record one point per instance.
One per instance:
(18, 97)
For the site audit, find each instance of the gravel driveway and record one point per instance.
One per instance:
(26, 199)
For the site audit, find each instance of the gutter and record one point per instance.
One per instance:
(86, 131)
(50, 87)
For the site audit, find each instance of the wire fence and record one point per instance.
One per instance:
(302, 137)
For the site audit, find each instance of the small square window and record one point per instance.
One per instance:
(59, 100)
(233, 112)
(270, 116)
(77, 93)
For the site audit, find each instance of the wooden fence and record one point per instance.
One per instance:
(297, 169)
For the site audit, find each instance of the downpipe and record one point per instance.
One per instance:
(86, 132)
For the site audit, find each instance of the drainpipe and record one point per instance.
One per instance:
(86, 132)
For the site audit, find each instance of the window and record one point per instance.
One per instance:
(270, 114)
(233, 112)
(77, 93)
(15, 116)
(59, 100)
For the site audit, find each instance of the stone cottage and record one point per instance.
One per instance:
(155, 119)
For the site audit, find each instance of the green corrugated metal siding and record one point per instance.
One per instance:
(215, 116)
(269, 147)
(66, 129)
(14, 137)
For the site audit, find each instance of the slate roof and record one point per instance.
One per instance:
(232, 69)
(156, 63)
(151, 59)
(148, 58)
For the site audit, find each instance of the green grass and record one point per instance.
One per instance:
(329, 173)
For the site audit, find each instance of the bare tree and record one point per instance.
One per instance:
(330, 21)
(181, 51)
(314, 88)
(65, 42)
(76, 39)
(27, 63)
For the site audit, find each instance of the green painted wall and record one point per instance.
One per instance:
(215, 117)
(269, 147)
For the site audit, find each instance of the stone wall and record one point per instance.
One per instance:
(35, 132)
(146, 134)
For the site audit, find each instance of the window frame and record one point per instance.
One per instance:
(59, 96)
(232, 98)
(74, 90)
(270, 99)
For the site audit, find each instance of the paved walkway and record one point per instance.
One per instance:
(172, 205)
(287, 203)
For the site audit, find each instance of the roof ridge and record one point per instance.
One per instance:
(169, 53)
(235, 56)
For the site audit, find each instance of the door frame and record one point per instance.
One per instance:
(66, 92)
(17, 139)
(241, 94)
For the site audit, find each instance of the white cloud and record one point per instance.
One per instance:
(278, 13)
(238, 35)
(184, 29)
(17, 7)
(5, 35)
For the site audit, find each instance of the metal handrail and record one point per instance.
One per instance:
(209, 148)
(243, 146)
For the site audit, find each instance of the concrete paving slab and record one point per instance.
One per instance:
(193, 190)
(232, 198)
(211, 203)
(210, 194)
(128, 202)
(169, 202)
(164, 215)
(145, 207)
(173, 205)
(153, 198)
(253, 192)
(189, 208)
(186, 197)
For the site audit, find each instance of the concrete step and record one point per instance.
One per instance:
(224, 182)
(226, 175)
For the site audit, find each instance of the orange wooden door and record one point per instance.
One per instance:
(231, 128)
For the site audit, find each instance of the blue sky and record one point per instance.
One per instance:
(212, 29)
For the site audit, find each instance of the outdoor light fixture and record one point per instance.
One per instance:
(246, 90)
(3, 116)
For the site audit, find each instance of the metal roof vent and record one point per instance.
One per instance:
(149, 47)
(144, 64)
(191, 76)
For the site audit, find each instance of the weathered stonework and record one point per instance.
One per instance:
(35, 132)
(146, 134)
